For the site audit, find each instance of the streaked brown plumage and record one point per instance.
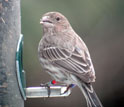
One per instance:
(64, 55)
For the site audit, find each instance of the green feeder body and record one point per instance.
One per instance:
(19, 67)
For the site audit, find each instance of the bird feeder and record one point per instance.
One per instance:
(34, 92)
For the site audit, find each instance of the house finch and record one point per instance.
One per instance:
(64, 55)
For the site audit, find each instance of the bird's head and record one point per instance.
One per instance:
(55, 21)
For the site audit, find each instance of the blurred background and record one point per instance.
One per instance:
(101, 25)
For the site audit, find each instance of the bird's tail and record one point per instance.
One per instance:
(90, 95)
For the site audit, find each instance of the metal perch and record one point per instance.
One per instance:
(39, 92)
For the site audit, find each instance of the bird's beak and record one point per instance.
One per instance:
(41, 22)
(45, 19)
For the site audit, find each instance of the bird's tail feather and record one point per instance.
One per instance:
(90, 95)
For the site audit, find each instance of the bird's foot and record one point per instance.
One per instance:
(47, 85)
(68, 87)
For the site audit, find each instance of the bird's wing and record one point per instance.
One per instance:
(77, 61)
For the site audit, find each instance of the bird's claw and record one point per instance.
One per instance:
(64, 91)
(48, 88)
(48, 84)
(68, 87)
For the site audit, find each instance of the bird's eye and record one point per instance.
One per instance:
(58, 18)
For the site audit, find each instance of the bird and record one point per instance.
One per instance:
(65, 57)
